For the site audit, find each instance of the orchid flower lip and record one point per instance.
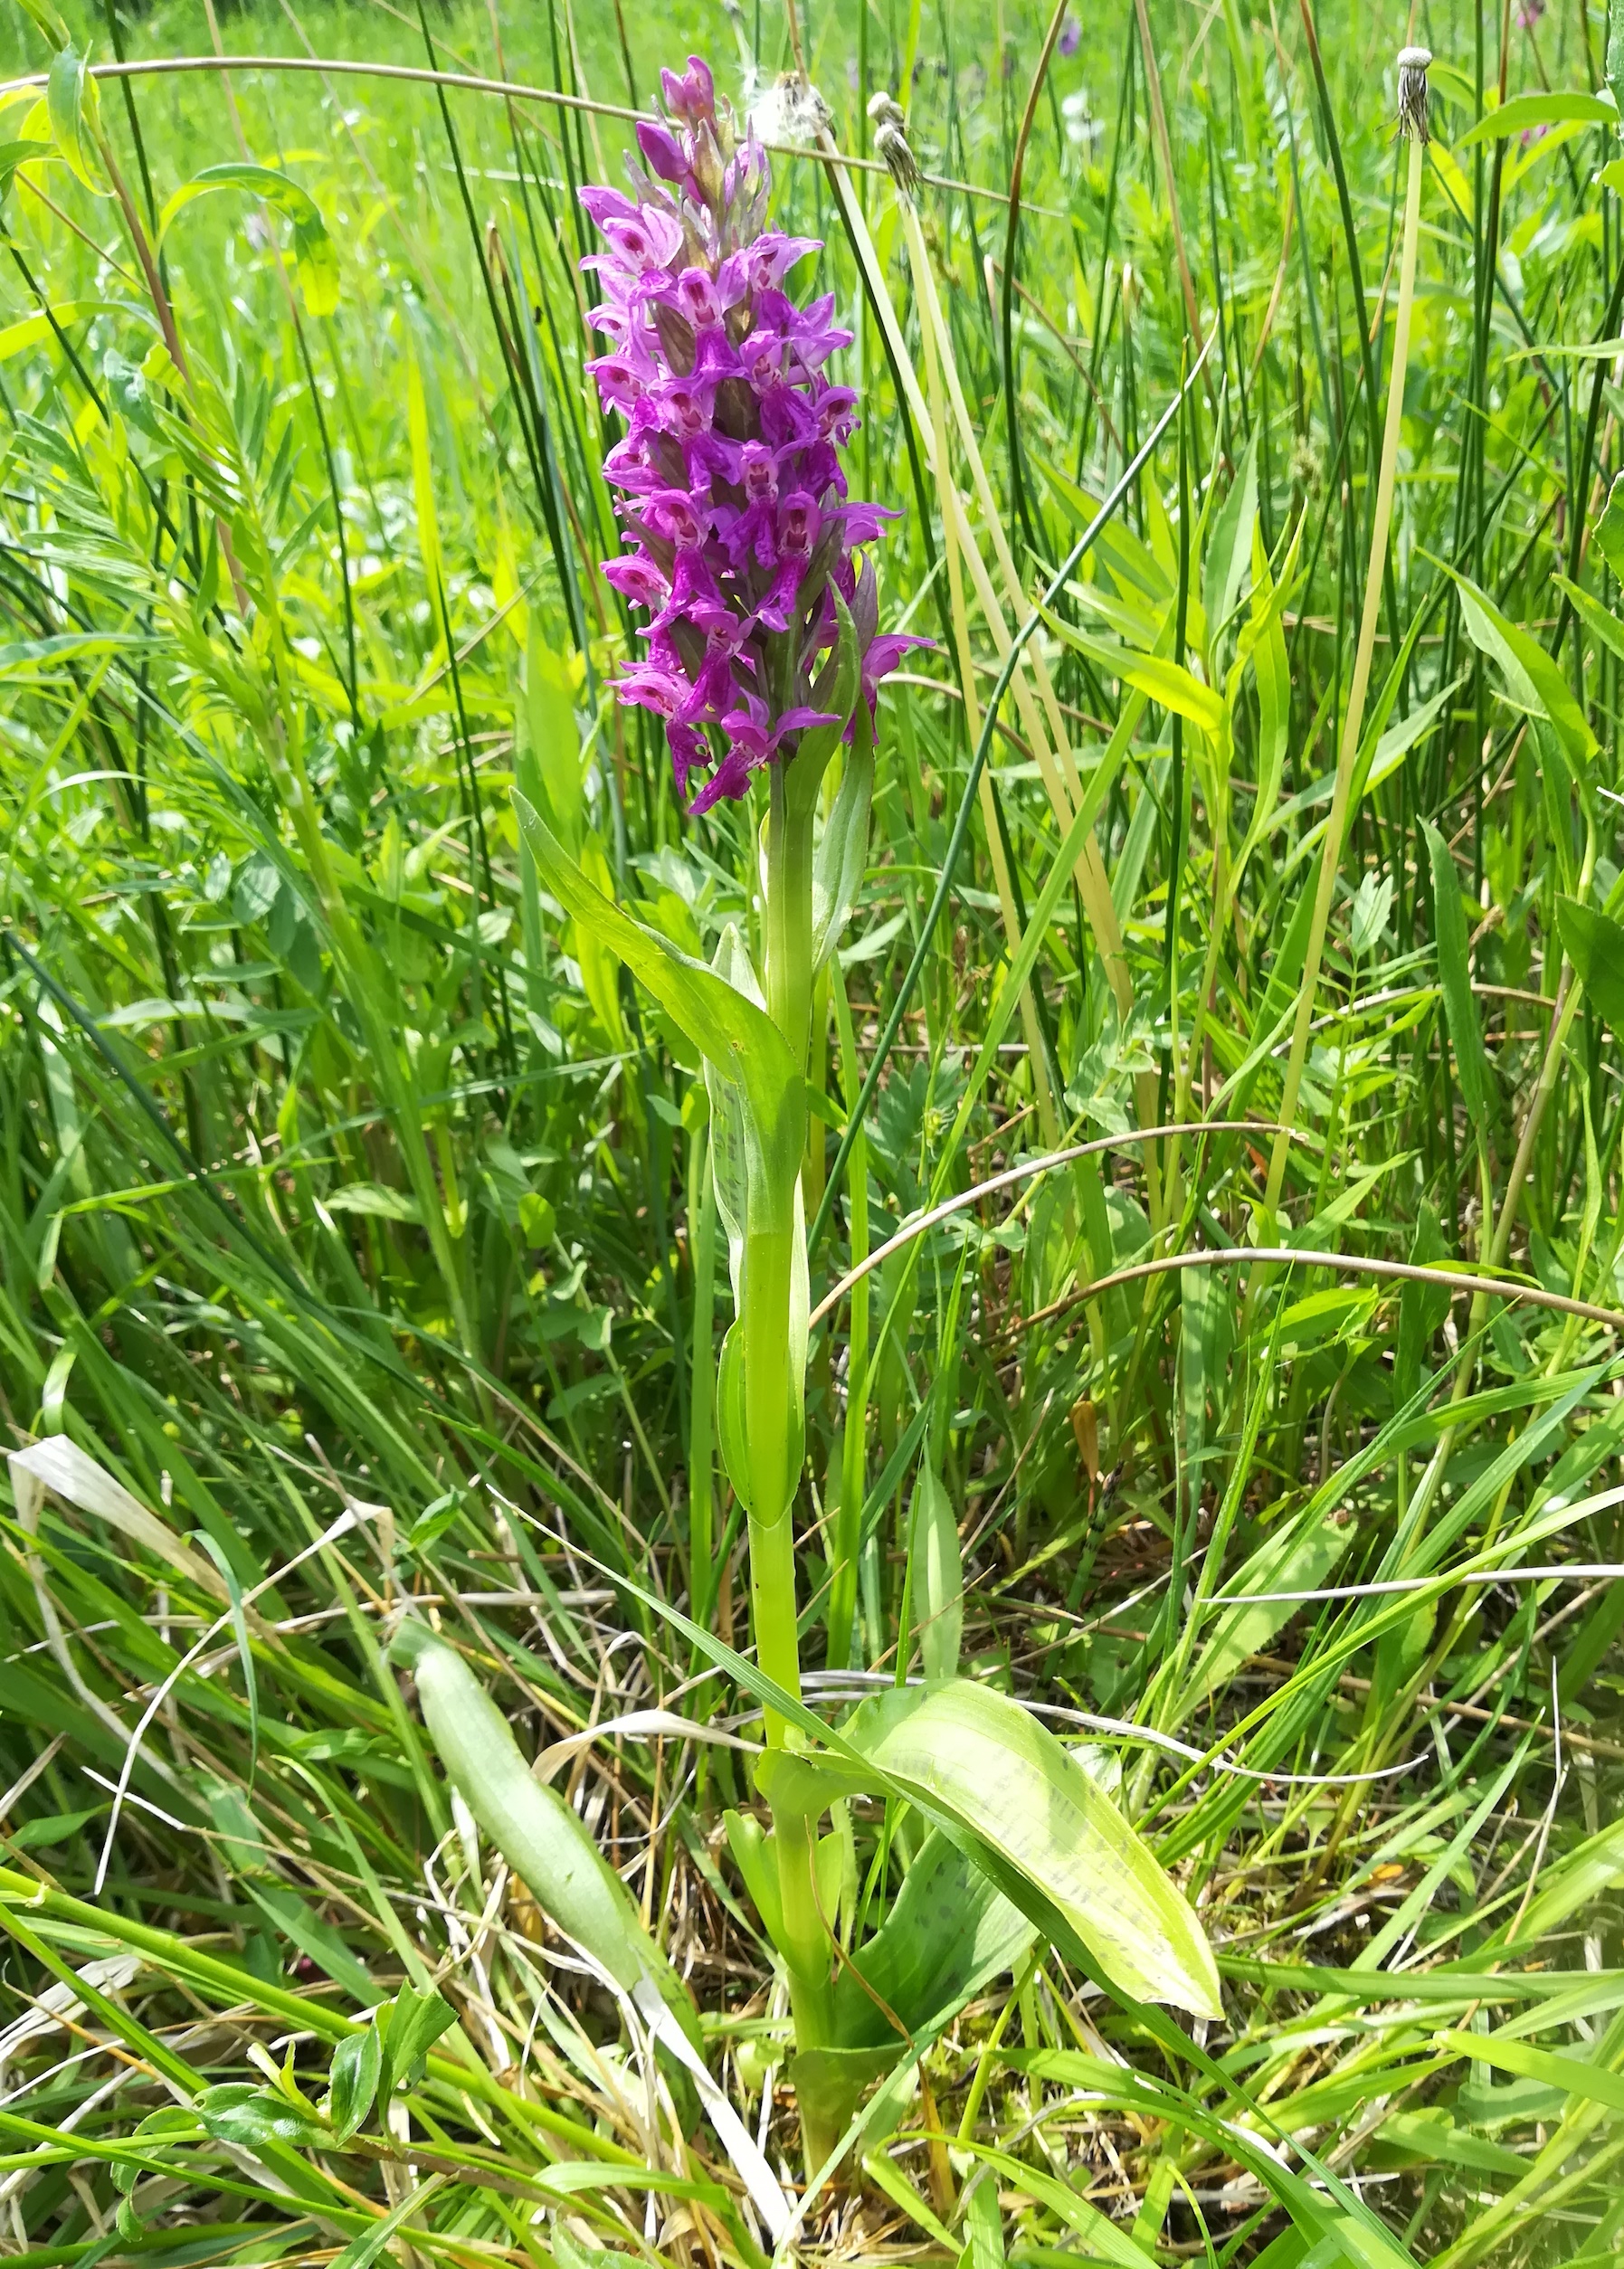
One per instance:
(732, 497)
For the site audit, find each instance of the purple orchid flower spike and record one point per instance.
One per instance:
(734, 500)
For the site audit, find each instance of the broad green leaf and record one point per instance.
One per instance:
(73, 109)
(948, 1934)
(408, 2027)
(761, 1119)
(828, 2080)
(239, 2112)
(22, 152)
(1543, 107)
(729, 1140)
(357, 2062)
(315, 256)
(736, 1173)
(937, 1575)
(1460, 1008)
(1534, 682)
(544, 1843)
(730, 1413)
(1595, 943)
(1119, 1871)
(1603, 625)
(551, 753)
(1609, 528)
(975, 1763)
(1161, 680)
(752, 1854)
(596, 959)
(739, 1040)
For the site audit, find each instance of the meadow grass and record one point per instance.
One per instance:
(361, 1254)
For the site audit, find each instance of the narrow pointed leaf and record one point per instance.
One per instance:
(1595, 943)
(1460, 1008)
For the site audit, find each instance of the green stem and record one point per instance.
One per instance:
(788, 913)
(1335, 826)
(842, 1586)
(772, 1423)
(768, 1427)
(701, 1509)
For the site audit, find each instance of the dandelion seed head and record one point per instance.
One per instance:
(1413, 65)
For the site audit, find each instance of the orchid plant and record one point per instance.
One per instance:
(761, 653)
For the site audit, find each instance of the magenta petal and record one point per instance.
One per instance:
(662, 150)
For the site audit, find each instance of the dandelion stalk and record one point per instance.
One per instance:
(1412, 126)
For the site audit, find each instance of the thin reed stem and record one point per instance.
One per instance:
(1353, 718)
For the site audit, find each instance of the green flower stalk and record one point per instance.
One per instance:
(1413, 62)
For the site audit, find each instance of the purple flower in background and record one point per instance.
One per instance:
(1071, 35)
(732, 497)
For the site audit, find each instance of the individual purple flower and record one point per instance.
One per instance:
(690, 95)
(637, 579)
(732, 497)
(1071, 35)
(642, 241)
(662, 150)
